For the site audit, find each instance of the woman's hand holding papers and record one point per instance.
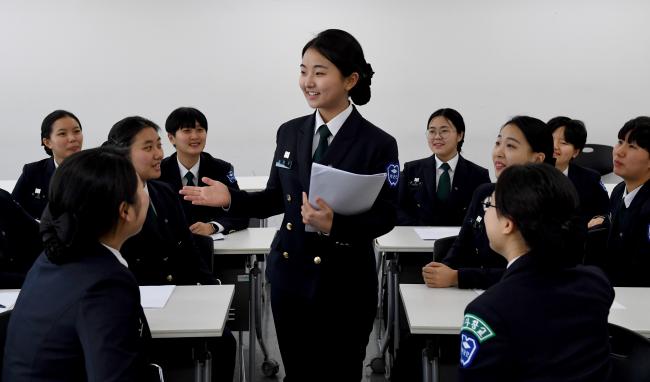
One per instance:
(215, 194)
(320, 218)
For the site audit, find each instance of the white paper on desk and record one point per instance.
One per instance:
(347, 193)
(155, 296)
(617, 306)
(217, 236)
(435, 233)
(8, 299)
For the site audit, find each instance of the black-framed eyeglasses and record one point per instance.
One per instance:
(487, 203)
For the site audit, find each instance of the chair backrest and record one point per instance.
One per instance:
(596, 157)
(4, 321)
(442, 246)
(630, 355)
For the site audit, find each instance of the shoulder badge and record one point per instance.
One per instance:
(468, 350)
(477, 327)
(392, 174)
(231, 176)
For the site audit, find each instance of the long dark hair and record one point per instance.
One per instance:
(84, 199)
(344, 51)
(542, 203)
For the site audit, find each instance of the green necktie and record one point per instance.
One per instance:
(190, 178)
(444, 183)
(324, 133)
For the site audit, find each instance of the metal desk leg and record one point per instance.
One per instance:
(396, 328)
(430, 362)
(391, 287)
(242, 363)
(202, 365)
(253, 277)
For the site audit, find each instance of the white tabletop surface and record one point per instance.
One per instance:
(252, 183)
(403, 239)
(192, 311)
(440, 310)
(8, 185)
(251, 241)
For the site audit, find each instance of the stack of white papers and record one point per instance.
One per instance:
(155, 296)
(435, 233)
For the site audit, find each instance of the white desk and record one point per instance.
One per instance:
(192, 311)
(403, 239)
(610, 187)
(8, 185)
(253, 243)
(636, 315)
(252, 183)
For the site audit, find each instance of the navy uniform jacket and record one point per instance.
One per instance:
(309, 263)
(164, 251)
(79, 321)
(20, 242)
(593, 196)
(628, 245)
(538, 325)
(31, 190)
(213, 168)
(418, 204)
(477, 264)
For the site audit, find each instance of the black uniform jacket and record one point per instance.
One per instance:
(538, 324)
(164, 252)
(477, 264)
(418, 204)
(20, 242)
(628, 245)
(593, 196)
(33, 185)
(305, 262)
(213, 168)
(79, 321)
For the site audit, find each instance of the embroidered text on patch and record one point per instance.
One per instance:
(478, 327)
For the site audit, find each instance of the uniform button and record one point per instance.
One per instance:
(289, 226)
(418, 205)
(166, 221)
(170, 278)
(620, 234)
(165, 259)
(317, 260)
(285, 254)
(288, 197)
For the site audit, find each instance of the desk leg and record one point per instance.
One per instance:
(253, 277)
(396, 296)
(242, 359)
(430, 362)
(390, 283)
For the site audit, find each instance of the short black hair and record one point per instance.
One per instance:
(639, 132)
(48, 121)
(575, 131)
(123, 131)
(455, 118)
(542, 203)
(537, 135)
(185, 117)
(84, 199)
(345, 52)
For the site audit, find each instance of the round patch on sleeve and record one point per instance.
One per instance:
(392, 174)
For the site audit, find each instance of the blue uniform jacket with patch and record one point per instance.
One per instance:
(305, 262)
(477, 264)
(418, 204)
(628, 246)
(538, 324)
(215, 169)
(32, 187)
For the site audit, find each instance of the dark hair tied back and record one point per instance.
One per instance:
(59, 235)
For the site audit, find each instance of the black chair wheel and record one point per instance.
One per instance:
(270, 368)
(378, 365)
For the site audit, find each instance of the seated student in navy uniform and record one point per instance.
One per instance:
(61, 137)
(569, 138)
(436, 191)
(546, 320)
(628, 246)
(187, 130)
(20, 242)
(78, 315)
(164, 252)
(471, 263)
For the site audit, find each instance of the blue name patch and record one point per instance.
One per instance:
(392, 174)
(231, 176)
(468, 350)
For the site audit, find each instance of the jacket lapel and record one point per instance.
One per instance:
(304, 156)
(430, 177)
(176, 172)
(343, 140)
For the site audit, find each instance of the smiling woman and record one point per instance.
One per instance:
(61, 136)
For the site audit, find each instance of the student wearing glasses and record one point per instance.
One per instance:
(546, 320)
(436, 191)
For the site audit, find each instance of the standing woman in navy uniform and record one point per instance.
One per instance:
(61, 136)
(323, 284)
(78, 316)
(437, 190)
(546, 320)
(569, 138)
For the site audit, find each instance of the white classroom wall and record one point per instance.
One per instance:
(237, 61)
